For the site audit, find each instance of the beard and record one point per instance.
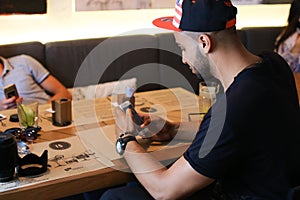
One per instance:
(202, 67)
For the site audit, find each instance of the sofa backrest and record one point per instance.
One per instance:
(91, 61)
(63, 58)
(34, 49)
(259, 39)
(155, 60)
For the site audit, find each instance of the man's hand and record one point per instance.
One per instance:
(158, 129)
(10, 103)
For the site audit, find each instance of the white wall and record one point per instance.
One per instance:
(62, 23)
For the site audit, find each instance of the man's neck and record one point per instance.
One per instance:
(232, 62)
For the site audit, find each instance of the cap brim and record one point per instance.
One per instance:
(166, 23)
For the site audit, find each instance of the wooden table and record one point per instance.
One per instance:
(107, 176)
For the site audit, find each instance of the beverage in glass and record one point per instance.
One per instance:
(207, 95)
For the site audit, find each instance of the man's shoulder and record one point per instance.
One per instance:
(25, 61)
(21, 57)
(277, 67)
(275, 60)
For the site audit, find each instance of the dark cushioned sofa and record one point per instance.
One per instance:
(155, 60)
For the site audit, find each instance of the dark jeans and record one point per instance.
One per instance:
(135, 191)
(92, 195)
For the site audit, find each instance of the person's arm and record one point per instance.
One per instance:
(53, 86)
(50, 84)
(178, 181)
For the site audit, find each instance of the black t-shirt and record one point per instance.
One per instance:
(249, 139)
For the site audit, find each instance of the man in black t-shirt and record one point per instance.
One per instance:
(247, 144)
(255, 130)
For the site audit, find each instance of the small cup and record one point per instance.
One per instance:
(207, 95)
(28, 115)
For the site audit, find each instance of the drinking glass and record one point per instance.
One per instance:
(28, 120)
(207, 95)
(28, 115)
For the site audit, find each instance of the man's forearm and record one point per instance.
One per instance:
(146, 168)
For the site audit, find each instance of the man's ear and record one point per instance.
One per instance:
(205, 42)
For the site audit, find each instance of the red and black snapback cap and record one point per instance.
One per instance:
(200, 16)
